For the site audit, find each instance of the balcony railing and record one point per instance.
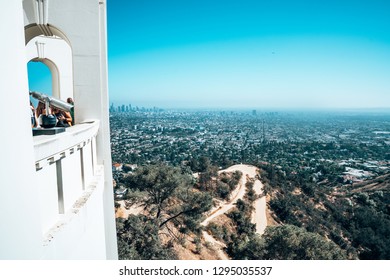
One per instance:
(67, 172)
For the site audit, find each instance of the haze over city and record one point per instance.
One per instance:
(256, 54)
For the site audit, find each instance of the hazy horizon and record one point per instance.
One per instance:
(259, 110)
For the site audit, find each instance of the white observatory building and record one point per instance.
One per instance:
(56, 194)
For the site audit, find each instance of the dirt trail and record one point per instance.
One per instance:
(218, 246)
(258, 215)
(238, 193)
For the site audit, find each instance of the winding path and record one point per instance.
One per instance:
(258, 215)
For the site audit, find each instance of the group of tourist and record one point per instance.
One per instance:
(64, 118)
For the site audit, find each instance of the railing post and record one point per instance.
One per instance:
(60, 188)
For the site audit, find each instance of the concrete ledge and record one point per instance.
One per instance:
(46, 146)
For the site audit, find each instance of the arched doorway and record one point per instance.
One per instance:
(56, 54)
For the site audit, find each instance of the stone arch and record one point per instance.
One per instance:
(33, 30)
(55, 53)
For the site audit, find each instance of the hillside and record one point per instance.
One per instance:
(228, 226)
(205, 246)
(354, 216)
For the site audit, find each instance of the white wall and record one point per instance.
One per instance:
(20, 212)
(105, 148)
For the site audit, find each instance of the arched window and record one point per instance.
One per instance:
(56, 54)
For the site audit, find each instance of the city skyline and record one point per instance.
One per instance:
(249, 54)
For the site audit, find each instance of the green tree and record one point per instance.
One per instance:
(138, 239)
(207, 178)
(289, 242)
(204, 163)
(160, 183)
(168, 195)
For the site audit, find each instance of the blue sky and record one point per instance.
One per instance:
(256, 54)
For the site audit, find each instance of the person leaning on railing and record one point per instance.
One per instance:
(39, 112)
(34, 120)
(70, 101)
(64, 119)
(40, 109)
